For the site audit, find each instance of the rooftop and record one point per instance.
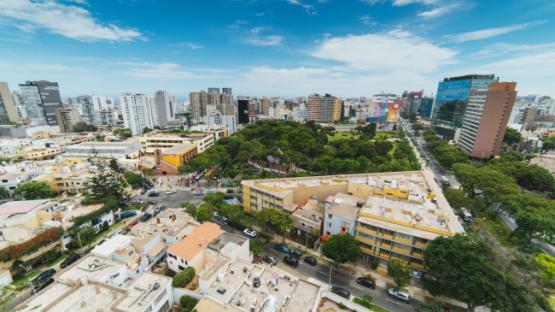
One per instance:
(143, 292)
(21, 206)
(92, 268)
(179, 149)
(199, 238)
(110, 246)
(171, 221)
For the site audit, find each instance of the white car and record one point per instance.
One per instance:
(250, 233)
(171, 192)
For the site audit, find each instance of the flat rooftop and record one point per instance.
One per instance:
(171, 221)
(143, 292)
(92, 268)
(21, 206)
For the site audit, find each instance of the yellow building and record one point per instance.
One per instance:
(392, 215)
(337, 109)
(40, 153)
(169, 160)
(76, 181)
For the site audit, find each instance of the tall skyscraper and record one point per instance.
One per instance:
(204, 104)
(486, 118)
(135, 109)
(243, 111)
(197, 103)
(425, 105)
(19, 106)
(452, 97)
(325, 109)
(8, 112)
(213, 90)
(67, 118)
(227, 91)
(165, 107)
(41, 99)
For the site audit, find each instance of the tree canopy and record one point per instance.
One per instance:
(34, 190)
(122, 133)
(341, 248)
(399, 271)
(446, 155)
(83, 127)
(512, 136)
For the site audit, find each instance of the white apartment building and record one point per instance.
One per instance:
(165, 107)
(137, 112)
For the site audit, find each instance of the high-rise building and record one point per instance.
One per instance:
(243, 111)
(425, 105)
(325, 109)
(227, 91)
(451, 99)
(197, 104)
(8, 112)
(486, 118)
(41, 99)
(213, 90)
(165, 107)
(265, 106)
(136, 112)
(67, 118)
(19, 106)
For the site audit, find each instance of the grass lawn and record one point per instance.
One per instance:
(368, 304)
(342, 136)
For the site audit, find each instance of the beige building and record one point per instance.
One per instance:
(392, 215)
(152, 141)
(67, 117)
(8, 111)
(323, 109)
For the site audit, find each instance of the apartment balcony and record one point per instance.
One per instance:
(417, 255)
(401, 251)
(367, 251)
(417, 266)
(366, 230)
(365, 240)
(387, 236)
(403, 241)
(420, 245)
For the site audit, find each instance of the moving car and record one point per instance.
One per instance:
(270, 259)
(367, 282)
(69, 260)
(310, 260)
(341, 292)
(291, 260)
(467, 215)
(399, 295)
(250, 233)
(280, 248)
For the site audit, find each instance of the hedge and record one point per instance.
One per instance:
(183, 278)
(42, 239)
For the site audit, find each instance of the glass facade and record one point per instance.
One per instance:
(451, 100)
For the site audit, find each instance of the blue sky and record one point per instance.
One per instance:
(275, 47)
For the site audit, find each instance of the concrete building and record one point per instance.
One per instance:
(67, 117)
(165, 107)
(197, 104)
(11, 180)
(486, 118)
(201, 103)
(137, 112)
(324, 109)
(171, 224)
(118, 150)
(190, 250)
(169, 160)
(392, 215)
(96, 284)
(8, 111)
(229, 121)
(152, 141)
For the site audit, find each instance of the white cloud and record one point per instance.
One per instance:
(63, 19)
(489, 32)
(307, 7)
(406, 2)
(270, 40)
(167, 71)
(498, 49)
(395, 50)
(366, 20)
(438, 11)
(190, 45)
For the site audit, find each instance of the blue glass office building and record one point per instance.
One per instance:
(425, 108)
(451, 100)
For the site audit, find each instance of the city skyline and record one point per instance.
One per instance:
(274, 48)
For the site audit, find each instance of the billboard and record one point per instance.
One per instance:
(384, 111)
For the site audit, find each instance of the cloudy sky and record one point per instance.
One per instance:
(275, 47)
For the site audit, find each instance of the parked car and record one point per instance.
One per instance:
(69, 260)
(132, 224)
(250, 233)
(296, 252)
(341, 292)
(43, 279)
(280, 248)
(291, 260)
(270, 259)
(145, 217)
(127, 214)
(367, 282)
(171, 192)
(399, 295)
(467, 215)
(310, 260)
(154, 194)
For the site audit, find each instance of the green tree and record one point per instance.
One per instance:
(341, 248)
(549, 143)
(4, 193)
(399, 271)
(432, 306)
(146, 130)
(187, 303)
(183, 278)
(106, 182)
(34, 190)
(84, 127)
(133, 179)
(257, 246)
(275, 220)
(190, 208)
(122, 133)
(204, 213)
(512, 136)
(114, 165)
(86, 235)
